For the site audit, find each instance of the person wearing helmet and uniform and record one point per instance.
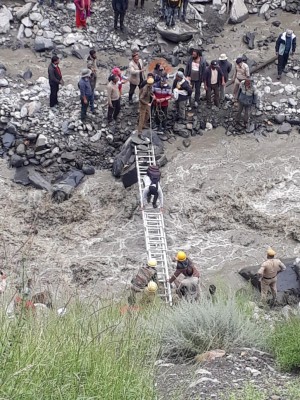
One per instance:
(140, 281)
(149, 293)
(183, 262)
(268, 274)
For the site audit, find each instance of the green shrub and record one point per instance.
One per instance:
(249, 392)
(285, 344)
(190, 329)
(87, 354)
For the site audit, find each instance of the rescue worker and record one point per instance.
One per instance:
(141, 280)
(285, 46)
(162, 93)
(145, 97)
(149, 294)
(189, 288)
(183, 262)
(268, 274)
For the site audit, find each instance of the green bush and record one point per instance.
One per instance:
(249, 392)
(191, 329)
(89, 353)
(285, 344)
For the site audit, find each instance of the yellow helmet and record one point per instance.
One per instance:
(271, 252)
(152, 287)
(181, 256)
(152, 262)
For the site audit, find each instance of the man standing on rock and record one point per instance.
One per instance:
(113, 98)
(136, 74)
(240, 74)
(268, 274)
(172, 9)
(162, 93)
(86, 93)
(247, 97)
(182, 91)
(55, 79)
(213, 80)
(183, 9)
(226, 68)
(145, 105)
(120, 8)
(194, 72)
(285, 45)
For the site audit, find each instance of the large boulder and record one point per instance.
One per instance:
(5, 18)
(43, 44)
(239, 12)
(288, 283)
(181, 33)
(23, 11)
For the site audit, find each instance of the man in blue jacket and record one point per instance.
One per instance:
(86, 92)
(120, 8)
(285, 45)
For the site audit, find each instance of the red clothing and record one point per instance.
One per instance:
(83, 10)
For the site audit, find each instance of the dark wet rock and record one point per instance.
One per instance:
(42, 44)
(21, 176)
(41, 143)
(285, 128)
(249, 39)
(63, 190)
(122, 159)
(279, 118)
(11, 128)
(162, 161)
(287, 284)
(181, 33)
(88, 170)
(8, 140)
(27, 74)
(38, 181)
(129, 176)
(186, 142)
(276, 23)
(239, 12)
(16, 161)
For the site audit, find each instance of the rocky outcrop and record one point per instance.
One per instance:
(181, 32)
(239, 12)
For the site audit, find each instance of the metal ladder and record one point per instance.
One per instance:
(154, 227)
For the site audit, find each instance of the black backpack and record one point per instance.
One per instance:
(154, 174)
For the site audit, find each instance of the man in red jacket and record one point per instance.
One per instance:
(162, 93)
(55, 79)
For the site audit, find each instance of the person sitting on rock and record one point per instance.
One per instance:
(285, 46)
(113, 98)
(86, 93)
(194, 72)
(141, 280)
(247, 97)
(172, 10)
(181, 91)
(145, 97)
(268, 275)
(183, 262)
(241, 73)
(213, 80)
(162, 93)
(189, 288)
